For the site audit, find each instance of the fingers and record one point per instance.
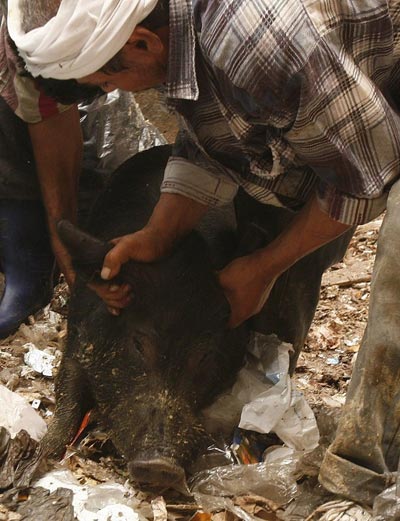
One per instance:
(114, 259)
(115, 297)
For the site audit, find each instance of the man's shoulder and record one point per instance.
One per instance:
(261, 44)
(255, 40)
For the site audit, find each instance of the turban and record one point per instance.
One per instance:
(82, 37)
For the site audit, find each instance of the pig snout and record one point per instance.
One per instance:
(161, 472)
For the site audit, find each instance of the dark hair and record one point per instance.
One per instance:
(68, 91)
(159, 17)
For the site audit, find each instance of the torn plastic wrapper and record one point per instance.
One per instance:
(105, 502)
(387, 504)
(264, 398)
(115, 129)
(215, 489)
(17, 414)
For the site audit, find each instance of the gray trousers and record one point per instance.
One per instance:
(362, 460)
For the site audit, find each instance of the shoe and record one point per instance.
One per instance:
(340, 510)
(27, 262)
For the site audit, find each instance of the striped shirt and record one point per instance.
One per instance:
(286, 98)
(17, 88)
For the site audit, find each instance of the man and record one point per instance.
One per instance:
(293, 102)
(33, 129)
(33, 124)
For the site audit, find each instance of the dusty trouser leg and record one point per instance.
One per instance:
(364, 455)
(290, 308)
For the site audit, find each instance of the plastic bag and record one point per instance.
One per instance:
(16, 414)
(275, 480)
(387, 504)
(40, 361)
(264, 398)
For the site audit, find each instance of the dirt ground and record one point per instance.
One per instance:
(323, 370)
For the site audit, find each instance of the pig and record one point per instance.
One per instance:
(149, 371)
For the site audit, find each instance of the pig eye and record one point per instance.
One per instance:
(139, 346)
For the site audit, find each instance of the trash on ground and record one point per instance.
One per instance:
(20, 457)
(105, 502)
(264, 398)
(40, 361)
(215, 489)
(40, 504)
(17, 414)
(387, 504)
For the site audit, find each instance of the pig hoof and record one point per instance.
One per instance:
(162, 472)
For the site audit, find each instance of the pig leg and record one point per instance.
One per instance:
(73, 400)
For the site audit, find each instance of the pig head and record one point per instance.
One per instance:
(150, 370)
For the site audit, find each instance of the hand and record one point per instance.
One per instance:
(246, 287)
(143, 246)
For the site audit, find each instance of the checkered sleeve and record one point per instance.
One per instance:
(189, 174)
(347, 132)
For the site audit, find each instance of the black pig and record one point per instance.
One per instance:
(169, 354)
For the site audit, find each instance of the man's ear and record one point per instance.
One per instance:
(143, 38)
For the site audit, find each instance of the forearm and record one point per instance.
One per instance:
(57, 146)
(309, 230)
(173, 217)
(247, 281)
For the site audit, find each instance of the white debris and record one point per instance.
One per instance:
(16, 414)
(106, 502)
(40, 361)
(264, 398)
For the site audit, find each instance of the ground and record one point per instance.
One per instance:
(323, 370)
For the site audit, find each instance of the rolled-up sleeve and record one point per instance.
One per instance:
(348, 209)
(191, 174)
(185, 178)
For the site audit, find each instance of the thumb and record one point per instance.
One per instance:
(113, 261)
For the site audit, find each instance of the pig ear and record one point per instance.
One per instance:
(86, 251)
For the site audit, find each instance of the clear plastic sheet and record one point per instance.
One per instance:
(215, 489)
(115, 129)
(387, 504)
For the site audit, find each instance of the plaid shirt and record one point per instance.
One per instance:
(285, 98)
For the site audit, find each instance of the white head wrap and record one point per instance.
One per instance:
(80, 39)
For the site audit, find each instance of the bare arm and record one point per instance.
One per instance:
(57, 147)
(247, 281)
(173, 217)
